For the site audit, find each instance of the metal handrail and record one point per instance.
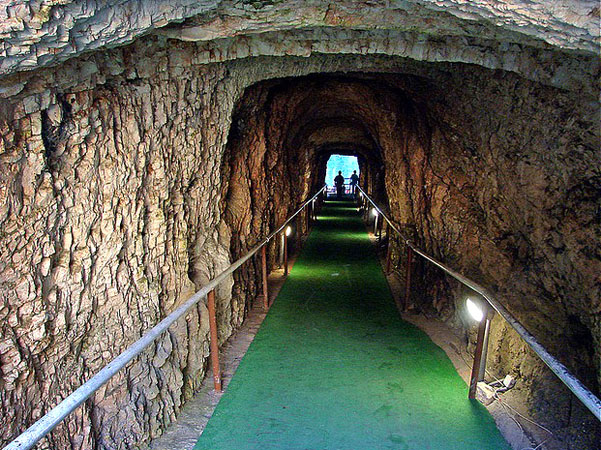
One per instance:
(590, 400)
(51, 419)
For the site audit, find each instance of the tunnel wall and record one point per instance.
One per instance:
(263, 185)
(110, 219)
(113, 201)
(506, 191)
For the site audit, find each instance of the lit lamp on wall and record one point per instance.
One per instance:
(287, 232)
(374, 213)
(474, 309)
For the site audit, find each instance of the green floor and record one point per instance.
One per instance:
(334, 367)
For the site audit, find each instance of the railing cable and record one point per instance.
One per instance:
(590, 400)
(51, 419)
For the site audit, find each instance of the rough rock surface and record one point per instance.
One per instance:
(123, 187)
(98, 244)
(38, 33)
(35, 33)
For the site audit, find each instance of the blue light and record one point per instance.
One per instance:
(343, 163)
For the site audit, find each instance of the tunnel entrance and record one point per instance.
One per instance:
(139, 161)
(341, 163)
(423, 164)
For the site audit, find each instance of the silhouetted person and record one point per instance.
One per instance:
(354, 181)
(339, 182)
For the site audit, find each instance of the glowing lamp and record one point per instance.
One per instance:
(374, 212)
(475, 310)
(288, 230)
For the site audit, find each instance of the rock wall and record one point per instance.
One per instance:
(121, 192)
(110, 218)
(263, 185)
(506, 191)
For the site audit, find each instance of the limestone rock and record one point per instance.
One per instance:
(131, 176)
(36, 34)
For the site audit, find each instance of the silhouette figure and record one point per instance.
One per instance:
(354, 181)
(339, 182)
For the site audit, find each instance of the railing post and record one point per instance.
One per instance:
(285, 253)
(264, 277)
(376, 224)
(408, 279)
(380, 229)
(388, 251)
(214, 343)
(479, 367)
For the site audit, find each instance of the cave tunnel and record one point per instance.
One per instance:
(143, 155)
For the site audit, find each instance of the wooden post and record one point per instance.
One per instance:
(482, 372)
(281, 250)
(285, 253)
(408, 279)
(479, 366)
(380, 229)
(214, 343)
(264, 272)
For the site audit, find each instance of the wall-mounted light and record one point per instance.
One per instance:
(288, 230)
(475, 310)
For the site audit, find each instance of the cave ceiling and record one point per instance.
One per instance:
(36, 34)
(332, 114)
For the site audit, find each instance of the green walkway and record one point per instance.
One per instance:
(334, 367)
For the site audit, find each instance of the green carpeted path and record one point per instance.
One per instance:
(334, 367)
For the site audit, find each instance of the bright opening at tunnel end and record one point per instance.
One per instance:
(341, 163)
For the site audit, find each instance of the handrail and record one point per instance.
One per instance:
(590, 400)
(51, 419)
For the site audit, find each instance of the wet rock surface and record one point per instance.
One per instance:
(132, 176)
